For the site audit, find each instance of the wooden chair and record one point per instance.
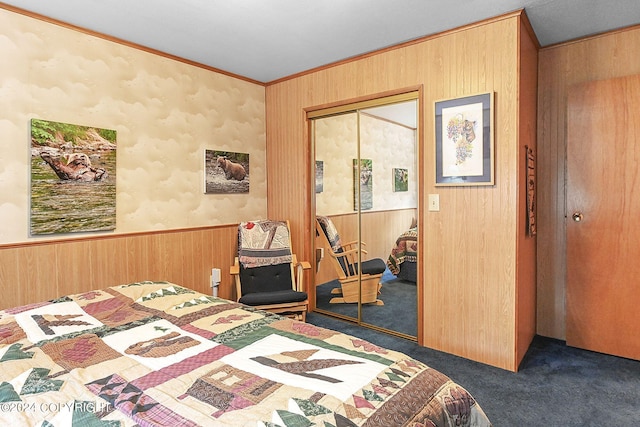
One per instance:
(344, 258)
(267, 275)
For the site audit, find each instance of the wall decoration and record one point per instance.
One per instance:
(319, 176)
(73, 178)
(531, 191)
(362, 184)
(464, 141)
(225, 172)
(400, 179)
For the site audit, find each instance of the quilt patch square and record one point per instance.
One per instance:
(79, 352)
(227, 389)
(159, 344)
(305, 365)
(55, 320)
(115, 311)
(11, 332)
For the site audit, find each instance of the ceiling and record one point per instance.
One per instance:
(265, 40)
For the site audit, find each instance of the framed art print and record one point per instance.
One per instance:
(464, 141)
(400, 179)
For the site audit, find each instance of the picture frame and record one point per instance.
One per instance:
(319, 180)
(400, 179)
(73, 178)
(464, 141)
(225, 172)
(362, 184)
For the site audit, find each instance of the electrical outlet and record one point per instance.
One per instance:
(215, 275)
(434, 202)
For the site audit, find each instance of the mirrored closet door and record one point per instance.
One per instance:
(366, 210)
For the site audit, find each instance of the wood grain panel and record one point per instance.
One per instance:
(596, 58)
(109, 263)
(38, 274)
(603, 127)
(73, 262)
(469, 252)
(51, 269)
(9, 278)
(526, 245)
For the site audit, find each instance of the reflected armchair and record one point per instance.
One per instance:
(344, 258)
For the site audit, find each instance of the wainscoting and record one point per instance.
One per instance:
(34, 272)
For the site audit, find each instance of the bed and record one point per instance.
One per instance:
(159, 354)
(403, 258)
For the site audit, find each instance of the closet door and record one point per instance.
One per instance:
(358, 153)
(335, 140)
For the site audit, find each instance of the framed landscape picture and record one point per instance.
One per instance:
(73, 178)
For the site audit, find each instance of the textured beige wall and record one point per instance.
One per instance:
(388, 145)
(166, 113)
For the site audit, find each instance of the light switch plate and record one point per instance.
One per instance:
(434, 202)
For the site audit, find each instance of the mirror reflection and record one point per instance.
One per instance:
(366, 202)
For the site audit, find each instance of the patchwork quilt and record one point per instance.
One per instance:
(158, 354)
(405, 249)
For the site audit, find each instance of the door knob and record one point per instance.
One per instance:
(577, 216)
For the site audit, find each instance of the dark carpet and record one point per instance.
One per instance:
(556, 385)
(399, 312)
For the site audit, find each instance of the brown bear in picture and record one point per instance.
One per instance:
(232, 170)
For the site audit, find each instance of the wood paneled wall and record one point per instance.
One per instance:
(37, 272)
(601, 57)
(469, 247)
(526, 245)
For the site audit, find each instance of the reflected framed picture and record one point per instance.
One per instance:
(464, 141)
(400, 179)
(362, 184)
(319, 176)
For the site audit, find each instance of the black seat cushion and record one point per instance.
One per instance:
(268, 285)
(277, 297)
(370, 266)
(373, 266)
(268, 278)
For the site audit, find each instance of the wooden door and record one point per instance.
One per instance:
(603, 216)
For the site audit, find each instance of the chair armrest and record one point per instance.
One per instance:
(299, 280)
(354, 243)
(305, 265)
(342, 254)
(234, 270)
(347, 246)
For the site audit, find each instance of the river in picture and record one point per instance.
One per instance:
(59, 206)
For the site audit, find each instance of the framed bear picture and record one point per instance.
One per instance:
(225, 172)
(73, 185)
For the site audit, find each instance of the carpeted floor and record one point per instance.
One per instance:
(556, 385)
(399, 312)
